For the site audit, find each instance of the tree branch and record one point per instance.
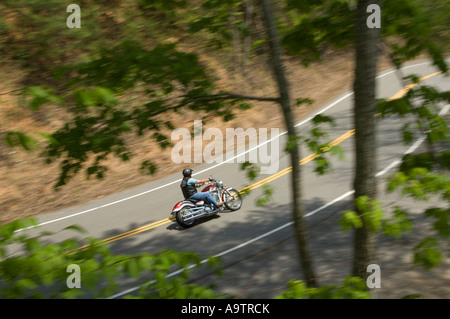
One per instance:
(232, 96)
(6, 93)
(214, 97)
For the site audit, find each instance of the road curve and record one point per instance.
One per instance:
(137, 220)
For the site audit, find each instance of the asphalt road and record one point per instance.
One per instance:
(138, 221)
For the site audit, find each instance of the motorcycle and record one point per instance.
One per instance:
(188, 211)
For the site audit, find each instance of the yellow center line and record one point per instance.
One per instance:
(126, 234)
(269, 179)
(138, 230)
(403, 91)
(304, 161)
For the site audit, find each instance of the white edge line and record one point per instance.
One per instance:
(214, 166)
(406, 67)
(343, 196)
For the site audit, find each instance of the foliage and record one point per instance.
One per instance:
(424, 175)
(314, 24)
(416, 25)
(100, 121)
(314, 141)
(438, 11)
(33, 33)
(408, 28)
(374, 218)
(423, 103)
(18, 138)
(350, 288)
(266, 196)
(319, 148)
(89, 72)
(39, 270)
(217, 15)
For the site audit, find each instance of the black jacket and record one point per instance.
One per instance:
(188, 190)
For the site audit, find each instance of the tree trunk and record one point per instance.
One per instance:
(236, 41)
(247, 40)
(284, 101)
(365, 183)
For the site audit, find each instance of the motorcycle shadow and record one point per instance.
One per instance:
(175, 226)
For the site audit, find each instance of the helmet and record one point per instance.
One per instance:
(187, 172)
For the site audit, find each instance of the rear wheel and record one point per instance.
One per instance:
(233, 200)
(181, 216)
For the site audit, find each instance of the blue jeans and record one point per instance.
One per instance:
(203, 196)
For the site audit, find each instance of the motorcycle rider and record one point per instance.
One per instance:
(189, 189)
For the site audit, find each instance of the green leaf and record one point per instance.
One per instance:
(252, 170)
(49, 138)
(41, 96)
(76, 228)
(292, 142)
(7, 231)
(132, 268)
(350, 220)
(337, 150)
(25, 285)
(398, 224)
(244, 106)
(148, 168)
(18, 138)
(427, 253)
(295, 290)
(308, 102)
(442, 216)
(319, 119)
(371, 212)
(72, 294)
(105, 96)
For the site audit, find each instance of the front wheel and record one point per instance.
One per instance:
(233, 200)
(180, 217)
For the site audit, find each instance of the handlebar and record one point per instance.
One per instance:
(210, 182)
